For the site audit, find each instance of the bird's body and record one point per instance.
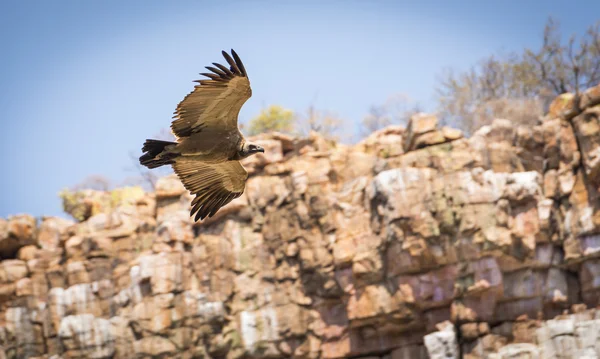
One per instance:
(210, 147)
(209, 143)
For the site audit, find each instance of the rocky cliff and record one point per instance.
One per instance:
(414, 243)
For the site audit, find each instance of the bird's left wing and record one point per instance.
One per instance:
(214, 184)
(216, 102)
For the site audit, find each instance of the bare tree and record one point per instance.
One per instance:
(326, 123)
(494, 89)
(520, 86)
(396, 109)
(95, 182)
(568, 67)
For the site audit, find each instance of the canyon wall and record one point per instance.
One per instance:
(414, 243)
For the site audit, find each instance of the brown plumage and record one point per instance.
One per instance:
(209, 144)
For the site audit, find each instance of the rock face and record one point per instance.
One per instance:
(414, 243)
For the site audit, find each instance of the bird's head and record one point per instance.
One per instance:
(249, 149)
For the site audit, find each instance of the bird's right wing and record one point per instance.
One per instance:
(216, 102)
(214, 184)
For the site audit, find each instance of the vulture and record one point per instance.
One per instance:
(209, 145)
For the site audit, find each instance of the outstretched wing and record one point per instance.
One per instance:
(214, 184)
(216, 101)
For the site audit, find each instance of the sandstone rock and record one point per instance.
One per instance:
(175, 227)
(451, 134)
(502, 130)
(122, 334)
(51, 230)
(28, 337)
(126, 196)
(333, 251)
(447, 157)
(119, 223)
(163, 270)
(583, 214)
(19, 231)
(529, 145)
(258, 328)
(169, 186)
(589, 276)
(27, 253)
(349, 165)
(556, 336)
(84, 204)
(385, 143)
(77, 299)
(590, 97)
(24, 287)
(433, 289)
(521, 350)
(287, 142)
(506, 148)
(23, 228)
(376, 302)
(421, 132)
(587, 131)
(264, 190)
(410, 186)
(551, 184)
(409, 351)
(11, 270)
(168, 205)
(442, 344)
(469, 331)
(563, 106)
(155, 346)
(523, 186)
(86, 336)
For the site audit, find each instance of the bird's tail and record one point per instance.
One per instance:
(154, 148)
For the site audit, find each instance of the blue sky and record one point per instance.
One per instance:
(85, 82)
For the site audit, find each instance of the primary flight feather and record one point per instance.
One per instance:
(209, 147)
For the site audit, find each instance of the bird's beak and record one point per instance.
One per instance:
(260, 149)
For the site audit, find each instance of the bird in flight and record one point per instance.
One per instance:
(209, 147)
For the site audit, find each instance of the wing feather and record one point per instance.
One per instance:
(217, 71)
(234, 67)
(213, 184)
(216, 101)
(225, 69)
(215, 77)
(239, 62)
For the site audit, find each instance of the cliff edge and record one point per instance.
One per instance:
(414, 243)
